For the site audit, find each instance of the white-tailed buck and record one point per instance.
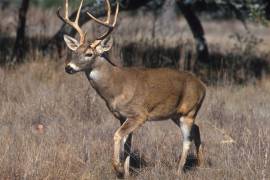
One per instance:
(136, 95)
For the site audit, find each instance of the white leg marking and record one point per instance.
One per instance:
(185, 131)
(186, 135)
(186, 144)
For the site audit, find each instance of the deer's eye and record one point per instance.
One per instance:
(89, 55)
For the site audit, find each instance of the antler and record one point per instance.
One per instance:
(106, 23)
(74, 24)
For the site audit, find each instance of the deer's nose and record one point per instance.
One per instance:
(69, 69)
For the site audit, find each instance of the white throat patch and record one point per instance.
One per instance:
(95, 75)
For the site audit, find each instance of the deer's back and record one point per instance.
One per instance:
(162, 92)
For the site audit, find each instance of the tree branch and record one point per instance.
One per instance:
(19, 47)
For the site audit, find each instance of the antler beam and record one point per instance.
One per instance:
(106, 23)
(74, 24)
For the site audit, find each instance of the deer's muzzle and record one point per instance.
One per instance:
(70, 69)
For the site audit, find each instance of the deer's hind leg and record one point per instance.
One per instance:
(186, 127)
(190, 131)
(198, 144)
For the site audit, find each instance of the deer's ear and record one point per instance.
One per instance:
(105, 45)
(72, 43)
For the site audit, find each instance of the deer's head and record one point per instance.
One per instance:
(85, 53)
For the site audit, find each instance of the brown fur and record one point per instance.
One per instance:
(137, 95)
(154, 93)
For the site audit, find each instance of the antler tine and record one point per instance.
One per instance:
(111, 27)
(78, 13)
(116, 13)
(66, 9)
(74, 24)
(108, 11)
(107, 22)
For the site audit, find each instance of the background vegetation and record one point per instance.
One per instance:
(76, 139)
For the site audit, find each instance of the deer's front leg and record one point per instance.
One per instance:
(125, 143)
(127, 127)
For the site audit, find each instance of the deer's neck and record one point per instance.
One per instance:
(103, 76)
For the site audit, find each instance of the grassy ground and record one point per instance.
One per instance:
(76, 142)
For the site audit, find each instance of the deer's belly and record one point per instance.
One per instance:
(160, 115)
(161, 109)
(122, 112)
(121, 109)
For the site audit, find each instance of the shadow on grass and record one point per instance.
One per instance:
(138, 162)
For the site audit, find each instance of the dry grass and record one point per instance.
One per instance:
(76, 142)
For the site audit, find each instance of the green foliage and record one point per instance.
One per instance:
(253, 9)
(257, 12)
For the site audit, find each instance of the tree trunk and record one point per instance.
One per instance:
(196, 29)
(267, 9)
(19, 47)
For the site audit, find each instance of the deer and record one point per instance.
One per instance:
(135, 95)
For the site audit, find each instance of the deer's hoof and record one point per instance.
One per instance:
(180, 171)
(119, 169)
